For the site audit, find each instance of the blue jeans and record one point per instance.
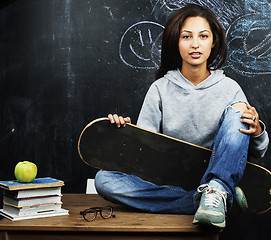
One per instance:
(226, 166)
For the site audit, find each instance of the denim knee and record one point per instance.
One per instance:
(110, 183)
(100, 181)
(232, 119)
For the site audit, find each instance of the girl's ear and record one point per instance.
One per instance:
(213, 45)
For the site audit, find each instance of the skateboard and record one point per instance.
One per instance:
(162, 160)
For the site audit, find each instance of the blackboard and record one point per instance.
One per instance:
(64, 63)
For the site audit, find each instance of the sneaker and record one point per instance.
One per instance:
(241, 199)
(212, 206)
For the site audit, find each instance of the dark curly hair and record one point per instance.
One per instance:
(170, 56)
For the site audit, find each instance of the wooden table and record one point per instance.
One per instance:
(128, 224)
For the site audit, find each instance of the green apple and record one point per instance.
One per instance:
(25, 171)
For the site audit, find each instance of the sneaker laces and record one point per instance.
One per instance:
(213, 196)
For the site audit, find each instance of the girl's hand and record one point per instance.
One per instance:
(118, 120)
(251, 117)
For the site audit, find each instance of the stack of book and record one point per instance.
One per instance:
(41, 198)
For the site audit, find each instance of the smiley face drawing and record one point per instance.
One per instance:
(140, 45)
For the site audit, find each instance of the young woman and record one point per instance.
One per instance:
(194, 101)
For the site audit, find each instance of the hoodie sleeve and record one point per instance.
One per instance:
(150, 115)
(259, 144)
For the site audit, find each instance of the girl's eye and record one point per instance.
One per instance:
(204, 36)
(186, 36)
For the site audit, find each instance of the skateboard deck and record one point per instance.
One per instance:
(162, 160)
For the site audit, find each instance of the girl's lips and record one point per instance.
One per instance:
(195, 54)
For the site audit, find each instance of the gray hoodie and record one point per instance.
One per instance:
(175, 107)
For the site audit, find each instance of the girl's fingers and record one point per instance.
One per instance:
(118, 120)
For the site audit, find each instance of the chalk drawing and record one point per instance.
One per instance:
(140, 45)
(172, 5)
(248, 31)
(225, 11)
(249, 40)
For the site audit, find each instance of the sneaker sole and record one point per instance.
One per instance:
(207, 223)
(241, 200)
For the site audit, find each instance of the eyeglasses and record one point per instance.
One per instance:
(91, 213)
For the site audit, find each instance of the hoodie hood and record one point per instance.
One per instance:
(176, 77)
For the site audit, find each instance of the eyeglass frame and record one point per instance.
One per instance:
(97, 209)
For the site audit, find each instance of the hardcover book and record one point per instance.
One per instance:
(38, 192)
(26, 202)
(32, 210)
(15, 217)
(37, 183)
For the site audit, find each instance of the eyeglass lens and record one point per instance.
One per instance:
(90, 214)
(106, 212)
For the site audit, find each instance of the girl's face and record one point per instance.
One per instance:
(195, 42)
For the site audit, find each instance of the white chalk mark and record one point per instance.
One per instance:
(225, 11)
(140, 37)
(260, 47)
(137, 55)
(150, 37)
(172, 5)
(248, 59)
(110, 12)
